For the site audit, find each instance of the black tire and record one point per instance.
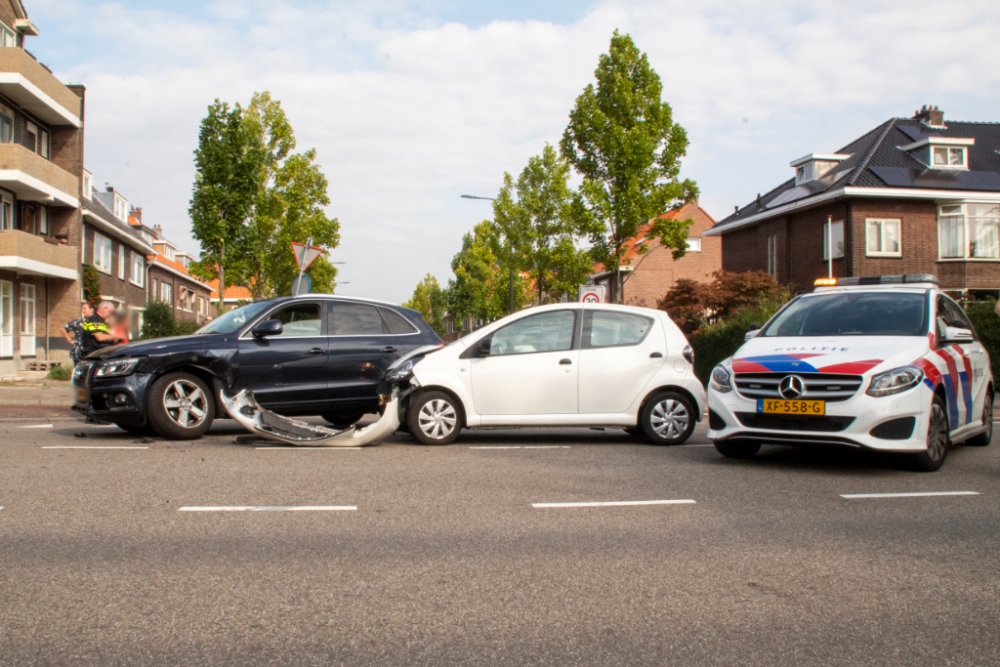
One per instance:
(434, 418)
(174, 400)
(667, 418)
(343, 419)
(983, 439)
(938, 441)
(737, 450)
(144, 430)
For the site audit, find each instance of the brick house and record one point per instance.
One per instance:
(913, 195)
(169, 278)
(116, 250)
(235, 296)
(41, 162)
(649, 276)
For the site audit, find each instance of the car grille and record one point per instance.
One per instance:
(788, 423)
(821, 386)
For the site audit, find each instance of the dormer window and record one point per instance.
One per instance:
(949, 157)
(814, 166)
(941, 152)
(121, 208)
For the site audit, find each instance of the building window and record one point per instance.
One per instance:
(883, 238)
(121, 262)
(202, 306)
(838, 239)
(969, 231)
(7, 36)
(694, 244)
(121, 208)
(138, 270)
(88, 185)
(772, 254)
(102, 253)
(6, 318)
(44, 147)
(6, 213)
(948, 157)
(167, 294)
(43, 220)
(6, 125)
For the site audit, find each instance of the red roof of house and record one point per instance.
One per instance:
(632, 245)
(233, 292)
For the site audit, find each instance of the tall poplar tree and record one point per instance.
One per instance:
(622, 139)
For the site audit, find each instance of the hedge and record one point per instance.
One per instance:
(987, 326)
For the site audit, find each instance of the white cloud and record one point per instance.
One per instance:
(407, 114)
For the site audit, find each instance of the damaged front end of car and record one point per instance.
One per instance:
(397, 384)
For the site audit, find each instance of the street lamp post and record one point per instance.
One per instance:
(510, 288)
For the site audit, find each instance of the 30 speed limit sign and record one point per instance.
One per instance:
(592, 293)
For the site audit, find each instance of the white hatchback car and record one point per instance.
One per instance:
(559, 365)
(888, 363)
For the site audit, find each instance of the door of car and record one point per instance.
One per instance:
(288, 369)
(971, 364)
(619, 353)
(532, 368)
(362, 348)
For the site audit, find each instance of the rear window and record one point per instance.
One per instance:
(882, 313)
(611, 329)
(396, 323)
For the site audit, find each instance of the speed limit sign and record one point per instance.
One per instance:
(592, 293)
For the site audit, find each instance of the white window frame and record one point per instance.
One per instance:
(6, 318)
(138, 269)
(43, 221)
(694, 244)
(882, 237)
(826, 236)
(121, 208)
(947, 151)
(167, 293)
(8, 116)
(6, 212)
(44, 143)
(963, 214)
(99, 256)
(88, 185)
(121, 261)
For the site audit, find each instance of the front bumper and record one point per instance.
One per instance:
(119, 400)
(851, 422)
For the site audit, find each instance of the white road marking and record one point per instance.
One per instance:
(89, 447)
(616, 503)
(305, 448)
(921, 494)
(37, 426)
(265, 508)
(523, 447)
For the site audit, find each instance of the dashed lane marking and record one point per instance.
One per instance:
(90, 447)
(36, 426)
(919, 494)
(522, 447)
(615, 503)
(266, 508)
(305, 448)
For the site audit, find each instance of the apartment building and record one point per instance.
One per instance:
(41, 163)
(913, 195)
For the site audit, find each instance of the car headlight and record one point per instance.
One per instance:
(895, 381)
(117, 367)
(721, 379)
(402, 372)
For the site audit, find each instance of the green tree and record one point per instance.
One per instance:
(431, 301)
(227, 179)
(622, 139)
(481, 287)
(538, 231)
(158, 320)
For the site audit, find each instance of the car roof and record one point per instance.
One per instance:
(912, 288)
(338, 297)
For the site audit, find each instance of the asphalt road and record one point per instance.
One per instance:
(445, 560)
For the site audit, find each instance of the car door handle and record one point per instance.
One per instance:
(316, 350)
(565, 362)
(388, 348)
(656, 355)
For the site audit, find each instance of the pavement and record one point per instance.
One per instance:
(447, 559)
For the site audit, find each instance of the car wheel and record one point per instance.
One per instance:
(938, 442)
(984, 439)
(143, 430)
(737, 450)
(180, 407)
(667, 418)
(434, 418)
(343, 419)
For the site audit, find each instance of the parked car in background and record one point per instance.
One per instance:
(307, 355)
(889, 363)
(559, 365)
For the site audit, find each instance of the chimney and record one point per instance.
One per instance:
(158, 231)
(137, 214)
(930, 116)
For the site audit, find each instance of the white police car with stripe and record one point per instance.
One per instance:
(888, 363)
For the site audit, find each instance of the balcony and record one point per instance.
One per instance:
(34, 178)
(36, 89)
(32, 255)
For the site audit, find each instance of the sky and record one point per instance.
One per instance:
(412, 103)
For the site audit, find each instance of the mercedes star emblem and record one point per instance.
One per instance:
(791, 386)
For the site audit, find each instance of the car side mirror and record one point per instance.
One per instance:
(268, 328)
(957, 335)
(484, 346)
(751, 331)
(753, 327)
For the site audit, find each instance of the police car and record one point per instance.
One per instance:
(888, 363)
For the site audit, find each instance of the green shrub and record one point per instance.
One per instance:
(715, 342)
(185, 327)
(91, 284)
(158, 320)
(987, 326)
(60, 373)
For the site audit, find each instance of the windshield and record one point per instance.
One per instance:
(232, 321)
(853, 314)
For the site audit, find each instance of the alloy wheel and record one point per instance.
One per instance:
(185, 403)
(937, 434)
(669, 419)
(437, 419)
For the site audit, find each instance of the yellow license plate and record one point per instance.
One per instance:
(780, 406)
